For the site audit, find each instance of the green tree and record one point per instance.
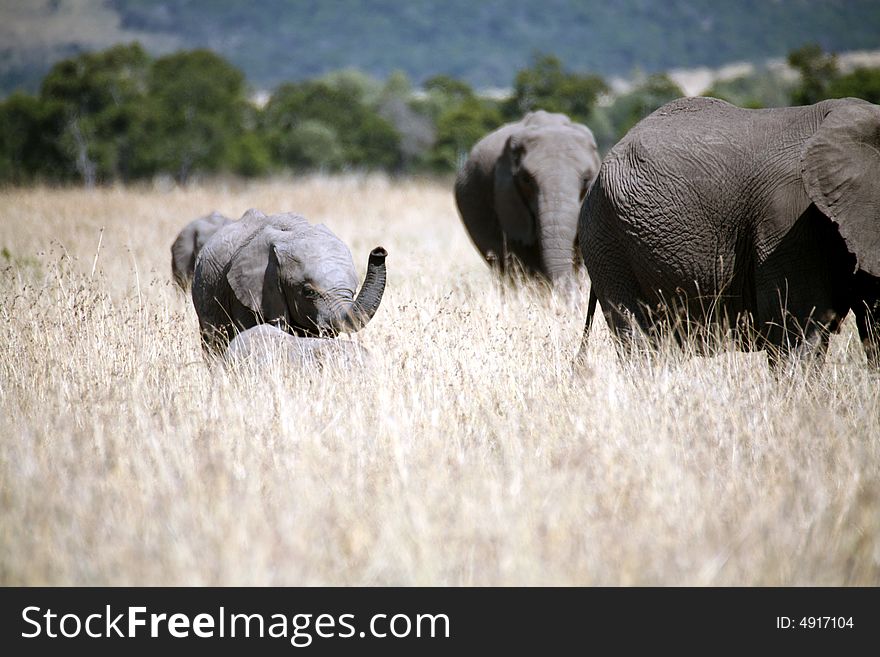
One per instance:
(459, 128)
(444, 92)
(100, 97)
(248, 155)
(547, 85)
(29, 146)
(197, 109)
(861, 83)
(817, 70)
(309, 124)
(355, 84)
(763, 88)
(461, 118)
(414, 127)
(312, 144)
(645, 97)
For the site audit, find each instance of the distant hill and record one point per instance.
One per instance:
(481, 41)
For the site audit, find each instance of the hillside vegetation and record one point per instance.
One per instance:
(483, 43)
(120, 114)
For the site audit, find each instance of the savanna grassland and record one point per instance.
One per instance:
(465, 453)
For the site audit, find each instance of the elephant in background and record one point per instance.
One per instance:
(185, 248)
(766, 222)
(281, 270)
(265, 343)
(520, 190)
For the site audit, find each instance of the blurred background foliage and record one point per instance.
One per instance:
(120, 114)
(485, 42)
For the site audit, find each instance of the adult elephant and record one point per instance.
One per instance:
(186, 246)
(764, 221)
(281, 270)
(520, 190)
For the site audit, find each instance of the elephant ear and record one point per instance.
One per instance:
(510, 207)
(253, 277)
(183, 256)
(841, 173)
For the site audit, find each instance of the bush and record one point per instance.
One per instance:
(197, 107)
(29, 146)
(301, 116)
(98, 101)
(861, 83)
(547, 85)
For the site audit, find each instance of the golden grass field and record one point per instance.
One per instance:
(465, 453)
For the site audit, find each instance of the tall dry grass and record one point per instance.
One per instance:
(465, 454)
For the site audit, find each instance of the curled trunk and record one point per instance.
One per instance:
(367, 302)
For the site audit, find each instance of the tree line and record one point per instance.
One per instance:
(120, 115)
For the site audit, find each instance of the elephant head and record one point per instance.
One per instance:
(545, 169)
(185, 248)
(282, 270)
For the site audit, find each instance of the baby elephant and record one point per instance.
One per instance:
(265, 343)
(281, 270)
(520, 191)
(189, 242)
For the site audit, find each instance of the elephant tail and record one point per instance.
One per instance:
(591, 310)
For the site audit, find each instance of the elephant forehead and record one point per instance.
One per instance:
(575, 134)
(254, 220)
(563, 149)
(319, 256)
(288, 221)
(560, 139)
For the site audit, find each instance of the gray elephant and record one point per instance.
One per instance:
(763, 222)
(520, 190)
(266, 343)
(185, 248)
(281, 270)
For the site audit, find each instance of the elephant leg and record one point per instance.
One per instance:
(223, 320)
(866, 307)
(803, 292)
(803, 356)
(525, 258)
(481, 222)
(591, 311)
(637, 331)
(491, 242)
(213, 324)
(868, 323)
(215, 338)
(621, 298)
(798, 345)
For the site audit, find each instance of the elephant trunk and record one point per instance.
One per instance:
(367, 302)
(558, 232)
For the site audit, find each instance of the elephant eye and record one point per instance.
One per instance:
(310, 292)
